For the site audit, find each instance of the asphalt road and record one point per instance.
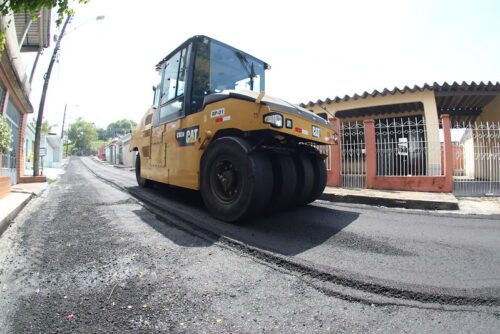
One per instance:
(413, 250)
(87, 257)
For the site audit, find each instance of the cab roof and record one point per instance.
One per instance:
(201, 37)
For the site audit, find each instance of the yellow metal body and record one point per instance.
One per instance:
(171, 153)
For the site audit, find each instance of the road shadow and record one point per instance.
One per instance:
(287, 233)
(174, 234)
(296, 231)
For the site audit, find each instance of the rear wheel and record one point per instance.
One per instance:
(305, 179)
(141, 181)
(319, 184)
(235, 183)
(285, 182)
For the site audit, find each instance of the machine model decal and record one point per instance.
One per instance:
(217, 113)
(187, 136)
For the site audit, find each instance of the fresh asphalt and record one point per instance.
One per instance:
(87, 257)
(431, 252)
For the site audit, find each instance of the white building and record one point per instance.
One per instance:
(52, 145)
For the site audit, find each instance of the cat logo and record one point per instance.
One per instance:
(187, 136)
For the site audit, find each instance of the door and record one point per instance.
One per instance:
(169, 103)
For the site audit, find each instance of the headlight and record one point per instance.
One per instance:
(276, 120)
(335, 138)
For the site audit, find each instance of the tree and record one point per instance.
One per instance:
(46, 127)
(120, 127)
(102, 134)
(82, 134)
(5, 136)
(33, 7)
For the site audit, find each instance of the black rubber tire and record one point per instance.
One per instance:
(141, 181)
(320, 176)
(251, 170)
(285, 182)
(305, 179)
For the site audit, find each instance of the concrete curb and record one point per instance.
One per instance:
(391, 202)
(5, 222)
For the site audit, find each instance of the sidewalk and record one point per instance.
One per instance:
(415, 200)
(14, 202)
(390, 198)
(22, 193)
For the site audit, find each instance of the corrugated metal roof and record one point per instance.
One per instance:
(445, 90)
(38, 36)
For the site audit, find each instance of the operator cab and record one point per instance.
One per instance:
(201, 67)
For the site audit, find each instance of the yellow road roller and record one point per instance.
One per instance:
(212, 128)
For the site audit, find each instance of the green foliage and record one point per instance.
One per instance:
(46, 127)
(98, 143)
(120, 128)
(33, 7)
(102, 134)
(82, 134)
(5, 136)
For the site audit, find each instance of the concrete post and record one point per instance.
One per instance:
(370, 153)
(334, 179)
(448, 154)
(432, 135)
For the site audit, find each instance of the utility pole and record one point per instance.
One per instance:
(64, 119)
(36, 162)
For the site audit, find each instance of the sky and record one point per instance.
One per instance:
(317, 49)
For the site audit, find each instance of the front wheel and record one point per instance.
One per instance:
(235, 183)
(141, 181)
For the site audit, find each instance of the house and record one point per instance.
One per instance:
(439, 137)
(113, 152)
(128, 157)
(117, 152)
(101, 153)
(21, 35)
(52, 148)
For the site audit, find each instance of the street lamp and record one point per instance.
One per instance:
(46, 78)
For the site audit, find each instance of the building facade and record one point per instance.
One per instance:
(117, 152)
(21, 35)
(439, 138)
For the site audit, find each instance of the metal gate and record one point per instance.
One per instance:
(9, 163)
(353, 169)
(476, 159)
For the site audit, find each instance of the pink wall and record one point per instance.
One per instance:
(442, 183)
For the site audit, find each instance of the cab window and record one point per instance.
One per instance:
(171, 97)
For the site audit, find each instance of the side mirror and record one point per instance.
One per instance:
(323, 115)
(154, 89)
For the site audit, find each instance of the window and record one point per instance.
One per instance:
(173, 84)
(219, 67)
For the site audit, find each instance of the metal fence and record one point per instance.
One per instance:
(476, 158)
(8, 167)
(403, 148)
(326, 150)
(353, 168)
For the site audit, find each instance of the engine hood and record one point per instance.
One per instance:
(273, 103)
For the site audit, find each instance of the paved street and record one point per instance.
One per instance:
(87, 256)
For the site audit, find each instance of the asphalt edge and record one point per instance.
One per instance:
(391, 202)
